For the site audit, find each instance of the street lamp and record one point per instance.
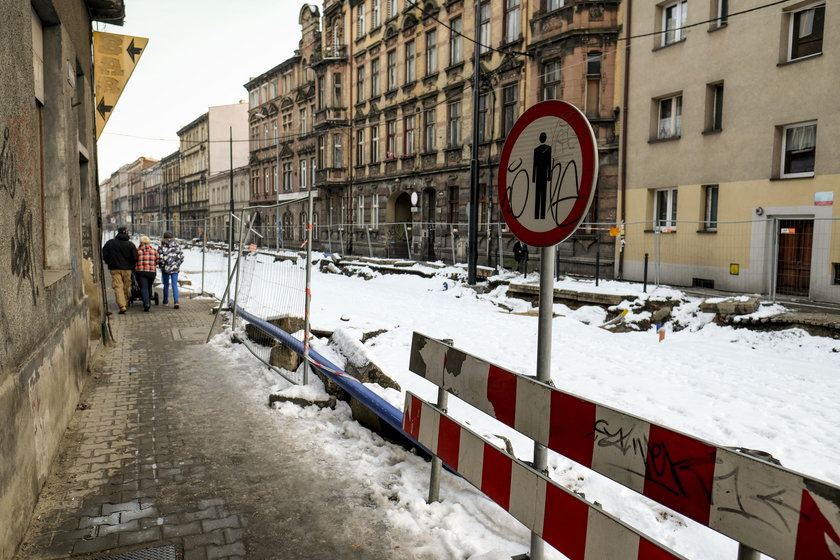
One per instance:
(276, 181)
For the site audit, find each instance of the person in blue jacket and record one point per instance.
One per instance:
(171, 257)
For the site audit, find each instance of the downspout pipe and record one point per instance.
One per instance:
(623, 155)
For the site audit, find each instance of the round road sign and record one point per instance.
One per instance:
(547, 173)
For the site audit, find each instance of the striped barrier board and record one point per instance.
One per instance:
(767, 507)
(573, 526)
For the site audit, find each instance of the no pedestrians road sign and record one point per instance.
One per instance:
(547, 173)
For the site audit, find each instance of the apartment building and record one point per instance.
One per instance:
(52, 305)
(191, 196)
(171, 183)
(282, 136)
(731, 162)
(389, 85)
(151, 204)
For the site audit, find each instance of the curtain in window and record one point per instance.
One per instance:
(806, 22)
(802, 138)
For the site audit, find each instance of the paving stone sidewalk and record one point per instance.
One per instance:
(167, 449)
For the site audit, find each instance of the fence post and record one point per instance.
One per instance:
(329, 239)
(407, 242)
(452, 238)
(434, 481)
(644, 286)
(774, 261)
(203, 252)
(501, 250)
(370, 248)
(597, 264)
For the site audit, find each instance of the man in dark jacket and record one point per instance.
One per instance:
(120, 254)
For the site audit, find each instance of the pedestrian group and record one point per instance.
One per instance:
(133, 269)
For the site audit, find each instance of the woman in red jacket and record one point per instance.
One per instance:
(144, 270)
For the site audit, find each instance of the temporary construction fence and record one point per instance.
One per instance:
(739, 493)
(776, 256)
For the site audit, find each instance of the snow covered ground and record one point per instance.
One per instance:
(772, 391)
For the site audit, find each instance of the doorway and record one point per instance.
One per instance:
(793, 275)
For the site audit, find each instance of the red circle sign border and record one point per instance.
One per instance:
(589, 171)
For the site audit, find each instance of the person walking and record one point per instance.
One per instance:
(520, 255)
(171, 257)
(120, 254)
(144, 270)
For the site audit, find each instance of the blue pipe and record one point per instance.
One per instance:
(376, 404)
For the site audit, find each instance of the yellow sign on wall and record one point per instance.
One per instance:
(114, 59)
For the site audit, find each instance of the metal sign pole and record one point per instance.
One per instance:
(544, 329)
(306, 325)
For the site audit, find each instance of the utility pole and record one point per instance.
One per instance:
(472, 257)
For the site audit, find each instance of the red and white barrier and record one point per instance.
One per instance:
(766, 507)
(570, 524)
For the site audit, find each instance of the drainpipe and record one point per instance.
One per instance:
(623, 155)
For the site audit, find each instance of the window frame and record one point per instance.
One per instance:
(374, 144)
(711, 195)
(431, 52)
(410, 61)
(374, 77)
(360, 147)
(391, 70)
(409, 135)
(512, 21)
(485, 18)
(675, 131)
(792, 19)
(509, 107)
(783, 151)
(456, 41)
(429, 129)
(668, 224)
(391, 139)
(453, 124)
(677, 32)
(360, 82)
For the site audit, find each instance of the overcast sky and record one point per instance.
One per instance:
(200, 53)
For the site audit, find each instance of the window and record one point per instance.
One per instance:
(666, 210)
(552, 5)
(287, 175)
(484, 29)
(408, 135)
(593, 64)
(374, 144)
(456, 42)
(410, 62)
(337, 153)
(287, 125)
(321, 150)
(337, 89)
(673, 21)
(267, 179)
(454, 124)
(360, 147)
(551, 80)
(799, 145)
(806, 32)
(360, 21)
(510, 97)
(360, 83)
(303, 175)
(392, 70)
(255, 182)
(483, 115)
(512, 25)
(710, 215)
(429, 130)
(321, 93)
(453, 205)
(670, 118)
(431, 52)
(303, 129)
(374, 211)
(360, 210)
(275, 179)
(391, 140)
(374, 77)
(375, 14)
(714, 107)
(312, 170)
(722, 14)
(392, 8)
(273, 89)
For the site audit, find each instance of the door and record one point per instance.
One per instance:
(429, 198)
(794, 267)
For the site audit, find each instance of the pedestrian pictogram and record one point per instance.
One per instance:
(547, 173)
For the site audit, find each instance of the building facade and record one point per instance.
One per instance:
(731, 162)
(191, 197)
(283, 149)
(390, 86)
(52, 306)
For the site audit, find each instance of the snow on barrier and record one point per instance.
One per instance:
(766, 507)
(569, 523)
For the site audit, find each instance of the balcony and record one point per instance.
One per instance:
(331, 116)
(330, 54)
(332, 176)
